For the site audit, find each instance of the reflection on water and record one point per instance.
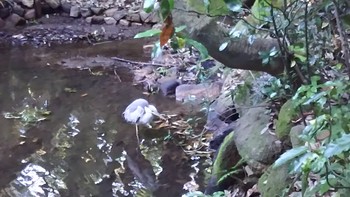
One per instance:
(84, 148)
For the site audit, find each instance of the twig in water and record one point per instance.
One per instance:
(135, 62)
(116, 74)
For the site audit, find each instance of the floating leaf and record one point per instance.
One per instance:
(148, 33)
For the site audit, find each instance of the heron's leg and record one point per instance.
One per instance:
(137, 134)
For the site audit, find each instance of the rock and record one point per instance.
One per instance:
(294, 134)
(134, 17)
(285, 115)
(98, 20)
(124, 22)
(85, 12)
(110, 12)
(15, 20)
(53, 3)
(274, 181)
(136, 24)
(167, 85)
(30, 14)
(256, 145)
(17, 10)
(41, 8)
(149, 17)
(143, 73)
(88, 19)
(97, 10)
(74, 11)
(110, 21)
(197, 92)
(28, 3)
(157, 26)
(4, 12)
(66, 7)
(220, 134)
(120, 14)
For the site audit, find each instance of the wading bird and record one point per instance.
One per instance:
(140, 112)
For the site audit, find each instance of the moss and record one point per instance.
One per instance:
(285, 117)
(274, 181)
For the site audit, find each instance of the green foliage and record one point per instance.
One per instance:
(200, 194)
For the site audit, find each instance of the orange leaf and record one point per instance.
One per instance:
(167, 31)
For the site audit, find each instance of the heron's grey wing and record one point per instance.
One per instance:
(133, 115)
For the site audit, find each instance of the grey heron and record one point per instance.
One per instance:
(140, 112)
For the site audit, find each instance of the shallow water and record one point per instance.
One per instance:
(84, 148)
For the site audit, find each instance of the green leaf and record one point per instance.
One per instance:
(165, 8)
(148, 5)
(338, 146)
(148, 33)
(201, 48)
(178, 29)
(289, 155)
(234, 5)
(171, 4)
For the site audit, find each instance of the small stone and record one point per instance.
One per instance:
(88, 19)
(4, 12)
(157, 26)
(30, 14)
(167, 85)
(149, 17)
(119, 14)
(66, 7)
(134, 17)
(98, 20)
(136, 24)
(18, 10)
(15, 20)
(28, 3)
(74, 11)
(110, 12)
(53, 3)
(110, 21)
(97, 10)
(124, 22)
(85, 12)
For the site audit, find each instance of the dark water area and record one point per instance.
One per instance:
(84, 148)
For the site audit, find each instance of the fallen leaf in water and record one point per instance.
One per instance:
(70, 90)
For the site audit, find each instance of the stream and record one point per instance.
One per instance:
(62, 132)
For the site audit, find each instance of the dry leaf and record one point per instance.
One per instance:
(167, 31)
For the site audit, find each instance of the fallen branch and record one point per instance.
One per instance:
(136, 62)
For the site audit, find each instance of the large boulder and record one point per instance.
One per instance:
(53, 3)
(254, 143)
(197, 92)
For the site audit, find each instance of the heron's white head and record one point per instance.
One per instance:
(152, 109)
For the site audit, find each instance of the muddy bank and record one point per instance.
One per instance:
(57, 29)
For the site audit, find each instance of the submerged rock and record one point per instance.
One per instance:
(168, 85)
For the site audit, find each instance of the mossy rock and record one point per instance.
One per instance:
(284, 121)
(274, 181)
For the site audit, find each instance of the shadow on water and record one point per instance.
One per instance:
(84, 148)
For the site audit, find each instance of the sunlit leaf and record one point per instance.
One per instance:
(289, 155)
(148, 5)
(178, 29)
(338, 146)
(148, 33)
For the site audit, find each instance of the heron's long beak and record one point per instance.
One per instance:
(159, 115)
